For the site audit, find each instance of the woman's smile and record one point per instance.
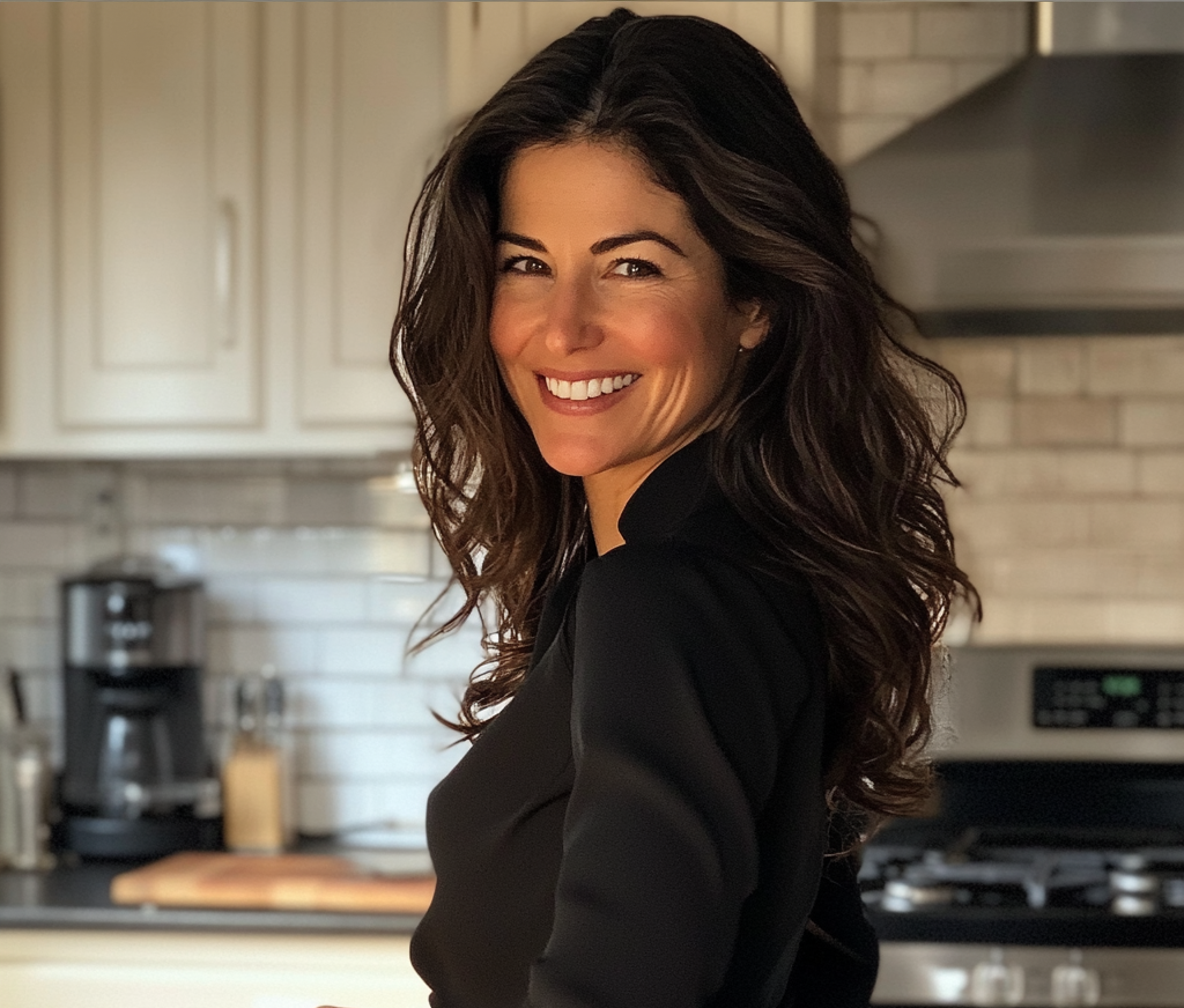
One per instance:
(610, 322)
(580, 394)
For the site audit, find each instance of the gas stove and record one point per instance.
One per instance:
(1052, 870)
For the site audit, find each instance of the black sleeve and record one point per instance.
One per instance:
(660, 845)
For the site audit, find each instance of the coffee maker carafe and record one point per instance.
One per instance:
(137, 780)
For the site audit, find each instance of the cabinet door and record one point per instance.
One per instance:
(158, 172)
(143, 969)
(489, 41)
(372, 105)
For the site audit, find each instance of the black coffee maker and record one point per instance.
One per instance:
(137, 780)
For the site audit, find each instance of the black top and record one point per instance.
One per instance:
(644, 823)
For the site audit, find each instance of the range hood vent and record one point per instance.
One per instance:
(1050, 200)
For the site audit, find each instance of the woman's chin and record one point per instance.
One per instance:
(580, 457)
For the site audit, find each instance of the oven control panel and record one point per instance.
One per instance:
(1107, 697)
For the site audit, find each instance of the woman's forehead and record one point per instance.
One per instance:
(586, 184)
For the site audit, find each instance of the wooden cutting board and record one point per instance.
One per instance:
(272, 882)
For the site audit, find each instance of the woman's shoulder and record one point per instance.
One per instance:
(711, 559)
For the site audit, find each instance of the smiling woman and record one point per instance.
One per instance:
(670, 442)
(604, 285)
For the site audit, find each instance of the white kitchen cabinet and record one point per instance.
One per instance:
(203, 209)
(156, 112)
(140, 969)
(372, 103)
(489, 41)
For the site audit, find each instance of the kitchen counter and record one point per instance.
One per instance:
(78, 897)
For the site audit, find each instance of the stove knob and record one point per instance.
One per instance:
(1074, 984)
(995, 982)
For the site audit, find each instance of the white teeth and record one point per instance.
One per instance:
(578, 391)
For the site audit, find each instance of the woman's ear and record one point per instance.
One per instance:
(754, 325)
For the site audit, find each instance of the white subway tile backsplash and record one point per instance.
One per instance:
(231, 599)
(332, 703)
(376, 755)
(326, 502)
(202, 499)
(1137, 525)
(51, 493)
(361, 651)
(913, 88)
(855, 89)
(394, 798)
(331, 806)
(389, 504)
(1065, 420)
(1144, 621)
(408, 703)
(1007, 525)
(1051, 367)
(33, 596)
(241, 650)
(1162, 473)
(1152, 423)
(406, 602)
(1031, 619)
(312, 600)
(859, 135)
(876, 31)
(45, 545)
(378, 551)
(1136, 366)
(449, 657)
(7, 493)
(30, 646)
(1032, 472)
(990, 423)
(984, 367)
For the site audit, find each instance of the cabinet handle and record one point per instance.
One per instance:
(225, 270)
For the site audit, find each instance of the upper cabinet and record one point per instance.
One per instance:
(156, 109)
(372, 105)
(489, 41)
(204, 207)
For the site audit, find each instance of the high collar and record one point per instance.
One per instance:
(680, 485)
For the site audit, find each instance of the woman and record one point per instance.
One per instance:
(674, 452)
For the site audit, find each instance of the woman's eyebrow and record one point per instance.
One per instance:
(608, 244)
(602, 246)
(516, 239)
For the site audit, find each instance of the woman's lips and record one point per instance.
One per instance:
(591, 404)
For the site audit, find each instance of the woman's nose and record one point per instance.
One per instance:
(572, 318)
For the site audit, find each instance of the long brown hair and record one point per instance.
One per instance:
(834, 448)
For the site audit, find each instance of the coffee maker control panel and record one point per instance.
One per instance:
(1123, 698)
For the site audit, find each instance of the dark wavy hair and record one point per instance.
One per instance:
(834, 448)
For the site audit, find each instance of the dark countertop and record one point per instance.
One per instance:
(78, 897)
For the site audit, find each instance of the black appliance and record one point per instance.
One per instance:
(1052, 871)
(137, 781)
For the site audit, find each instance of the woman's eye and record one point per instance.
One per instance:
(524, 264)
(635, 268)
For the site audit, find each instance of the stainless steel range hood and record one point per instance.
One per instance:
(1051, 199)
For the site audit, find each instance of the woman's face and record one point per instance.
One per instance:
(610, 320)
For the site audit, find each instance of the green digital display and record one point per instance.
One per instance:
(1122, 685)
